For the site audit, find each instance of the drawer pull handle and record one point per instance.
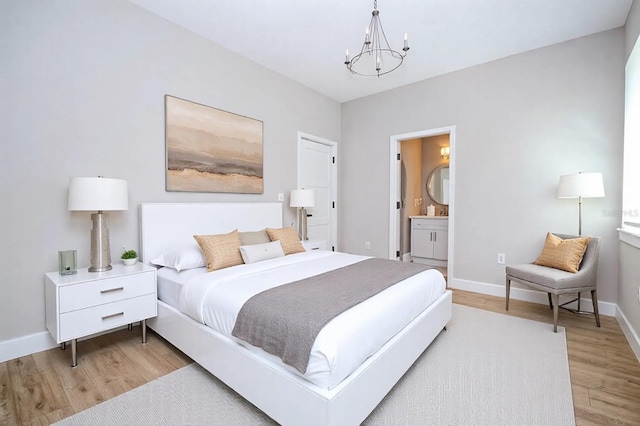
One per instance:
(112, 315)
(111, 290)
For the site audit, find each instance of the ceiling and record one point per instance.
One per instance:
(306, 40)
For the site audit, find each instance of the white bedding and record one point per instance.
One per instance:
(215, 299)
(170, 283)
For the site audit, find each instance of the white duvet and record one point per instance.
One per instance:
(215, 298)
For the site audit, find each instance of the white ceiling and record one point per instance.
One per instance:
(306, 40)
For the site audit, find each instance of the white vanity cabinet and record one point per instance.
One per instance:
(430, 240)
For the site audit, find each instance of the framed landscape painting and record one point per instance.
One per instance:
(209, 150)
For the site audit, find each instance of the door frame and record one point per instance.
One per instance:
(394, 187)
(333, 215)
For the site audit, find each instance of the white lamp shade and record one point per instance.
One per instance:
(302, 198)
(585, 185)
(98, 194)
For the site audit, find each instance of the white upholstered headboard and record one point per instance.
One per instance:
(168, 225)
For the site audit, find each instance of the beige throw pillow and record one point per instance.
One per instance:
(562, 254)
(249, 238)
(220, 251)
(288, 237)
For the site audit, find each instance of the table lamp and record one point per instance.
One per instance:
(302, 198)
(98, 194)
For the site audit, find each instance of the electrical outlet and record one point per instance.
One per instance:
(367, 245)
(280, 196)
(501, 258)
(638, 294)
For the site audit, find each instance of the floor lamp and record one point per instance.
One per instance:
(580, 185)
(98, 194)
(302, 198)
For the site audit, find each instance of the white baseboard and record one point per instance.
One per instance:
(629, 332)
(605, 308)
(528, 295)
(38, 342)
(26, 345)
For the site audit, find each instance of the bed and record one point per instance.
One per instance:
(287, 396)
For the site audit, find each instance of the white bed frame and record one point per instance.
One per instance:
(282, 395)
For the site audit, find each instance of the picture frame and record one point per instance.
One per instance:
(211, 150)
(67, 262)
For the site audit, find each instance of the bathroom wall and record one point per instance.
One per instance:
(431, 159)
(411, 189)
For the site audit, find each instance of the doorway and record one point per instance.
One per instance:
(395, 194)
(318, 170)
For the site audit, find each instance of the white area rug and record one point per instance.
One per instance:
(485, 369)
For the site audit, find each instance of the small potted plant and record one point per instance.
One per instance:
(129, 257)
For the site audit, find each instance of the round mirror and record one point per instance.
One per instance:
(438, 185)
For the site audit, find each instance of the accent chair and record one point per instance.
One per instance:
(556, 281)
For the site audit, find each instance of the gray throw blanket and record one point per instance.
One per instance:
(285, 320)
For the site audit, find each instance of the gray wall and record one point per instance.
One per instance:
(630, 255)
(521, 122)
(84, 86)
(631, 28)
(83, 96)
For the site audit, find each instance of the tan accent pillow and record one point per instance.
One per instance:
(220, 251)
(249, 238)
(562, 254)
(288, 237)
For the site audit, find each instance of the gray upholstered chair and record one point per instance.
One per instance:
(556, 282)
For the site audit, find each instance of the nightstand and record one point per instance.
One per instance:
(310, 245)
(87, 303)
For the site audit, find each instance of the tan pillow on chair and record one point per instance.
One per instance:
(562, 254)
(288, 237)
(220, 251)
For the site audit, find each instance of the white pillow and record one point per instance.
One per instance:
(258, 252)
(187, 257)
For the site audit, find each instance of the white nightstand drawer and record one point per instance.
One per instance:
(310, 245)
(99, 318)
(84, 295)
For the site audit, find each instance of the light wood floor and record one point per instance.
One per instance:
(41, 388)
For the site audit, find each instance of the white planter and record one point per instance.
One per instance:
(130, 262)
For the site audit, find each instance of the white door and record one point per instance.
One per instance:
(317, 170)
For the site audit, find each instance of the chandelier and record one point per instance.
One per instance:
(376, 57)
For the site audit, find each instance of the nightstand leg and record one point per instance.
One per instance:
(130, 326)
(74, 355)
(143, 326)
(63, 346)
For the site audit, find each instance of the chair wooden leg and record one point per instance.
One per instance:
(594, 299)
(550, 304)
(508, 287)
(555, 312)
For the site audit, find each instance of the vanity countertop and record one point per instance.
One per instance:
(428, 217)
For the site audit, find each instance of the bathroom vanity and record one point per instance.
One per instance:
(430, 240)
